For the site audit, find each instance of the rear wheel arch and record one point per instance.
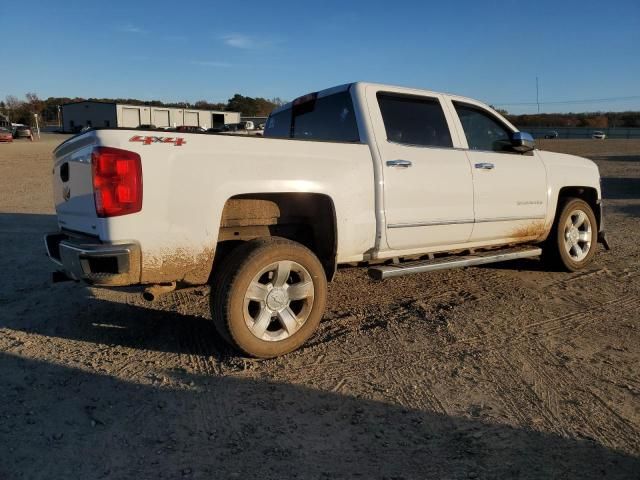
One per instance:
(306, 218)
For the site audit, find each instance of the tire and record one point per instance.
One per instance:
(573, 239)
(269, 297)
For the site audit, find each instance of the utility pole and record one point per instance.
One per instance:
(35, 115)
(537, 94)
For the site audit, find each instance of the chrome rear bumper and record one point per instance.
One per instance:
(97, 263)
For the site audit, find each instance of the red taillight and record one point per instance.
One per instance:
(117, 181)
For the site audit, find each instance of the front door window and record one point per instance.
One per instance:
(483, 131)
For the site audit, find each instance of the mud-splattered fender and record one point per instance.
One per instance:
(567, 171)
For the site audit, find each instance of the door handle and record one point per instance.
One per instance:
(399, 163)
(485, 166)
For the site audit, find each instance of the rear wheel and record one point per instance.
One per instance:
(573, 239)
(270, 297)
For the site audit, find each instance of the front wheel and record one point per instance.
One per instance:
(573, 239)
(270, 297)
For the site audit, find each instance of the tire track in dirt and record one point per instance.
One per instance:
(603, 424)
(539, 391)
(183, 351)
(504, 376)
(575, 322)
(203, 357)
(486, 343)
(597, 288)
(525, 408)
(363, 361)
(201, 354)
(597, 396)
(627, 274)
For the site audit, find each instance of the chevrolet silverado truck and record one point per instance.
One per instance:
(398, 180)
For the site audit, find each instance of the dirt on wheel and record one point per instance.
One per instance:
(502, 371)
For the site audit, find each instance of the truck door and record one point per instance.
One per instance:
(510, 188)
(428, 190)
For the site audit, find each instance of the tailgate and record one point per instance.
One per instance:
(73, 186)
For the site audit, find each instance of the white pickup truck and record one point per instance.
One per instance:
(398, 179)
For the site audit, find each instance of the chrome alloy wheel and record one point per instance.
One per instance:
(577, 235)
(278, 300)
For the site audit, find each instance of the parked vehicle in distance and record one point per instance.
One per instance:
(147, 126)
(550, 135)
(6, 135)
(401, 180)
(23, 132)
(232, 127)
(189, 129)
(598, 135)
(242, 128)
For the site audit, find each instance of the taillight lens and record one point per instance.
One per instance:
(117, 181)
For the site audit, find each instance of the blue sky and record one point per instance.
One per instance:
(190, 50)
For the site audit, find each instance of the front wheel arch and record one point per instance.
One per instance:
(587, 194)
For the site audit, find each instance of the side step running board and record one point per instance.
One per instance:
(380, 272)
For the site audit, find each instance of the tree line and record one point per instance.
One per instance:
(23, 110)
(628, 119)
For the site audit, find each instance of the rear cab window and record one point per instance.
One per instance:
(414, 120)
(312, 117)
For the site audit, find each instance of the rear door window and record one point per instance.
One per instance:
(331, 118)
(414, 120)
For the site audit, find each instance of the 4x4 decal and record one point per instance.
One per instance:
(148, 140)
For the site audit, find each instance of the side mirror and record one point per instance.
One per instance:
(522, 142)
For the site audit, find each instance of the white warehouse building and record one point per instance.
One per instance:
(91, 113)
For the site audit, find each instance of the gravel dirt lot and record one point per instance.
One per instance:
(505, 371)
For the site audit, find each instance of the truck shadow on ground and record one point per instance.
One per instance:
(105, 322)
(522, 265)
(538, 265)
(73, 423)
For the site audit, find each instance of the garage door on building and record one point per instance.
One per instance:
(130, 117)
(161, 118)
(191, 118)
(217, 120)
